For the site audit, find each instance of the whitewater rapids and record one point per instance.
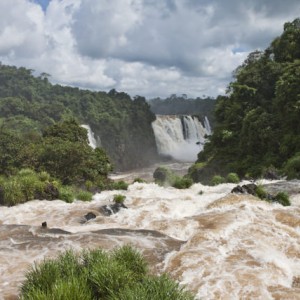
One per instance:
(220, 245)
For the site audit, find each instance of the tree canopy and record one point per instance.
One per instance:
(258, 121)
(29, 104)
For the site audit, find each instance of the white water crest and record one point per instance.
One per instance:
(91, 136)
(221, 245)
(181, 137)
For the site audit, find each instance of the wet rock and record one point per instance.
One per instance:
(245, 189)
(44, 224)
(271, 175)
(296, 282)
(108, 210)
(238, 190)
(89, 216)
(291, 187)
(250, 188)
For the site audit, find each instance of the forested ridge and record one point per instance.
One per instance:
(29, 104)
(182, 105)
(258, 121)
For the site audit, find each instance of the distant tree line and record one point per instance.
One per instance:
(182, 105)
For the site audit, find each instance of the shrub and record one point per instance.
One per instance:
(283, 199)
(164, 176)
(44, 176)
(182, 183)
(89, 185)
(12, 192)
(95, 274)
(119, 185)
(260, 192)
(30, 185)
(132, 260)
(84, 196)
(66, 194)
(155, 288)
(292, 167)
(108, 277)
(140, 180)
(119, 198)
(61, 278)
(217, 179)
(232, 178)
(26, 172)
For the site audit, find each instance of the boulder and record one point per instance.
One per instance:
(271, 175)
(245, 189)
(89, 216)
(110, 209)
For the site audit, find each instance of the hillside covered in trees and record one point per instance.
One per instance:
(29, 104)
(182, 105)
(258, 120)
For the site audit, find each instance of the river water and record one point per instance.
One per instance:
(220, 245)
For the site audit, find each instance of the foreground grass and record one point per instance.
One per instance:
(119, 275)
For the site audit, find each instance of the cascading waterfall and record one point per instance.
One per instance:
(91, 136)
(181, 137)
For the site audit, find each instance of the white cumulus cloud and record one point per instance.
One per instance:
(146, 47)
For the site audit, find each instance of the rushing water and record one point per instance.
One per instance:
(221, 245)
(91, 136)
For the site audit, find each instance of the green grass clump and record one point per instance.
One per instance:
(232, 178)
(164, 176)
(12, 192)
(84, 196)
(292, 167)
(260, 192)
(119, 198)
(44, 176)
(182, 183)
(140, 180)
(217, 179)
(283, 199)
(119, 185)
(132, 260)
(66, 193)
(95, 274)
(30, 184)
(155, 288)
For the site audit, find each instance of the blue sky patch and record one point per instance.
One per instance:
(43, 3)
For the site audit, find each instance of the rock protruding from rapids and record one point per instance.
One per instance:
(108, 210)
(245, 189)
(253, 189)
(89, 216)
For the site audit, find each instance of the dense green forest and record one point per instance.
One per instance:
(258, 121)
(182, 105)
(29, 104)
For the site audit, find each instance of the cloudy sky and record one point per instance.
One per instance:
(143, 47)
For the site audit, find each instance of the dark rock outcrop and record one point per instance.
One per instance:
(89, 216)
(108, 210)
(245, 189)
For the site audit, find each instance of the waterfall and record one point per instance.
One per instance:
(91, 136)
(181, 137)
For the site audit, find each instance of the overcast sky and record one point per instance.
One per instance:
(142, 47)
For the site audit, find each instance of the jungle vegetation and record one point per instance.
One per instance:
(28, 104)
(258, 121)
